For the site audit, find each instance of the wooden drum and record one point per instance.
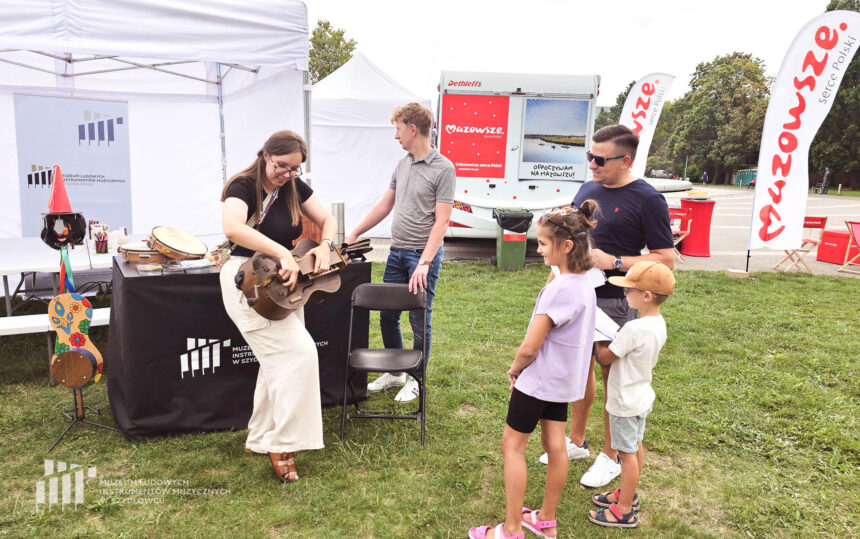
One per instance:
(177, 244)
(140, 251)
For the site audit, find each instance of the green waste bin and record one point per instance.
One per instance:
(511, 237)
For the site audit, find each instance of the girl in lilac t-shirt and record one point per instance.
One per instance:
(549, 371)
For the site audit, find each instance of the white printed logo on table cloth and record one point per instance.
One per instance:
(201, 357)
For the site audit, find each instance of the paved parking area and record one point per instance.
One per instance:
(730, 226)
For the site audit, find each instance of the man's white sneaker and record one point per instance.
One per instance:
(409, 392)
(601, 472)
(386, 381)
(573, 451)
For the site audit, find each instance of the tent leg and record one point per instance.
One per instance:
(307, 110)
(221, 118)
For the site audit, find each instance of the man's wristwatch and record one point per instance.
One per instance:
(617, 263)
(423, 262)
(330, 243)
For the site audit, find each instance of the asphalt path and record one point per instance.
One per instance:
(730, 226)
(730, 229)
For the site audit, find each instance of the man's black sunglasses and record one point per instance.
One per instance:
(600, 161)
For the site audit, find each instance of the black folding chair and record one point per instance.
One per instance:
(385, 297)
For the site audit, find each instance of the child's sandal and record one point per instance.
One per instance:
(602, 500)
(630, 520)
(498, 533)
(532, 524)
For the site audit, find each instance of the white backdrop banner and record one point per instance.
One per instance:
(641, 113)
(802, 95)
(89, 140)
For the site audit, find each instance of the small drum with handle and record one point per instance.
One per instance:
(176, 244)
(140, 251)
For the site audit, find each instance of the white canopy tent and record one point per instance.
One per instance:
(353, 143)
(206, 83)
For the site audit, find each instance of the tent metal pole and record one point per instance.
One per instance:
(221, 118)
(71, 60)
(306, 86)
(19, 64)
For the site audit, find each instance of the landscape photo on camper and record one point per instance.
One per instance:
(554, 131)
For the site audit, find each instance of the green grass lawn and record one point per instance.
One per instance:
(755, 431)
(844, 193)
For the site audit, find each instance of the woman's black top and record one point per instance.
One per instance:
(278, 224)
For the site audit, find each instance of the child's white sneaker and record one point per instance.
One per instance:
(601, 472)
(386, 381)
(573, 451)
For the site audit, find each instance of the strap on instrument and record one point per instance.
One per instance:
(252, 221)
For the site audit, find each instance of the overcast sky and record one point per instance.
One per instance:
(621, 40)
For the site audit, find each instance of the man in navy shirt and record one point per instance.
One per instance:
(633, 215)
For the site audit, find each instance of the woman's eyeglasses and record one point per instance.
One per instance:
(294, 172)
(601, 161)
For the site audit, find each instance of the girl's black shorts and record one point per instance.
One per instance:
(525, 411)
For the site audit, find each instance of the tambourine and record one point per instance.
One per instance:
(140, 251)
(176, 244)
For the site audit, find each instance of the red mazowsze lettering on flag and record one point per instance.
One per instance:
(473, 134)
(801, 98)
(642, 111)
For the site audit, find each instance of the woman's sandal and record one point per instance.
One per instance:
(284, 465)
(498, 533)
(630, 520)
(532, 524)
(603, 500)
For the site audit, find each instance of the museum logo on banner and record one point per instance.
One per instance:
(89, 140)
(65, 485)
(98, 127)
(40, 176)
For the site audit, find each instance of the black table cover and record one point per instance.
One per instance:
(176, 362)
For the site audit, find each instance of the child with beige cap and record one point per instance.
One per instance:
(629, 396)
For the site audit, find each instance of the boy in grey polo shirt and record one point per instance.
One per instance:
(421, 193)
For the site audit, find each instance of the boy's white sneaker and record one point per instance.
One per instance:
(386, 381)
(601, 472)
(573, 451)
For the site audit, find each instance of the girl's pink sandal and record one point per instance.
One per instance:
(532, 524)
(498, 533)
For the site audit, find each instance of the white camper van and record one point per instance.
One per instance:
(516, 141)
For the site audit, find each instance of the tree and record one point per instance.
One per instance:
(329, 50)
(835, 144)
(612, 115)
(659, 158)
(722, 116)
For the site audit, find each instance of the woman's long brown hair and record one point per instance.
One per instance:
(280, 143)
